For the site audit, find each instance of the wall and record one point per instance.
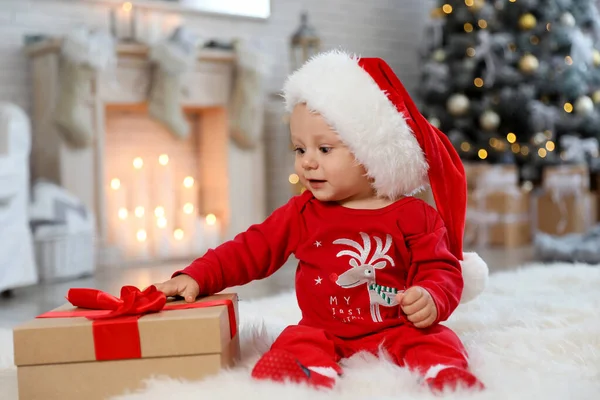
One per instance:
(385, 28)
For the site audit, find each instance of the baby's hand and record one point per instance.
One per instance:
(418, 305)
(182, 285)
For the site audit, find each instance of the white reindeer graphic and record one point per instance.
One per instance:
(363, 271)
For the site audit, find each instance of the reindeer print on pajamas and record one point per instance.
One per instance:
(362, 271)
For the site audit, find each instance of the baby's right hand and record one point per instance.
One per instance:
(182, 285)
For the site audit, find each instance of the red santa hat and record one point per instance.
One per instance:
(367, 105)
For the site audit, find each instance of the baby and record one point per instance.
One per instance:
(377, 267)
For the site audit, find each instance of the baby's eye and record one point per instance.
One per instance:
(324, 149)
(299, 150)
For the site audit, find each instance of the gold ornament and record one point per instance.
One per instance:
(527, 21)
(596, 96)
(529, 63)
(596, 56)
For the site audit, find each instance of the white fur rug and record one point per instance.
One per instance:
(535, 333)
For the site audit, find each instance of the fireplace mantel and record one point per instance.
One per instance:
(81, 171)
(125, 49)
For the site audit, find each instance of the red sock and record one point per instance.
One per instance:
(279, 365)
(453, 377)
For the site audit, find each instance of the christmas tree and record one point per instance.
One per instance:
(514, 81)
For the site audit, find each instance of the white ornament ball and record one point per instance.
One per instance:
(567, 19)
(458, 104)
(584, 105)
(529, 63)
(489, 120)
(439, 55)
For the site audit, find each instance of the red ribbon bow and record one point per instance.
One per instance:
(132, 301)
(115, 327)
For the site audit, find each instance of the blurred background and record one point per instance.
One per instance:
(136, 135)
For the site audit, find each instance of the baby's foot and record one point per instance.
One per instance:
(453, 377)
(280, 366)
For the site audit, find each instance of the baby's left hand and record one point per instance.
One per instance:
(418, 305)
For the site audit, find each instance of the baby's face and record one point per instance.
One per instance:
(324, 164)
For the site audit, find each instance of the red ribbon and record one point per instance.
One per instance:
(114, 327)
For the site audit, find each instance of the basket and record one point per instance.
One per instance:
(65, 256)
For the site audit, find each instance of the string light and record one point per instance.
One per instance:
(471, 52)
(139, 211)
(465, 146)
(138, 163)
(550, 146)
(159, 211)
(127, 6)
(542, 153)
(511, 137)
(178, 234)
(524, 150)
(482, 153)
(468, 27)
(163, 159)
(161, 222)
(447, 8)
(188, 182)
(568, 107)
(293, 178)
(515, 147)
(478, 82)
(123, 213)
(482, 23)
(568, 60)
(141, 235)
(211, 219)
(115, 184)
(469, 3)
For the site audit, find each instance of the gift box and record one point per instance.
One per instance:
(498, 210)
(474, 172)
(565, 203)
(567, 213)
(109, 346)
(498, 219)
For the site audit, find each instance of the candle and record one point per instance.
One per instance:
(123, 21)
(117, 199)
(212, 231)
(139, 205)
(198, 242)
(161, 236)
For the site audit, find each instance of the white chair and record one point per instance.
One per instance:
(17, 262)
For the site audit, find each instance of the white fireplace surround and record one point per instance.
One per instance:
(231, 180)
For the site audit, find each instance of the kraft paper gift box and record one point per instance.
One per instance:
(566, 214)
(499, 219)
(565, 204)
(61, 355)
(473, 172)
(498, 210)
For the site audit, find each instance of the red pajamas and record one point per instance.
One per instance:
(417, 349)
(352, 264)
